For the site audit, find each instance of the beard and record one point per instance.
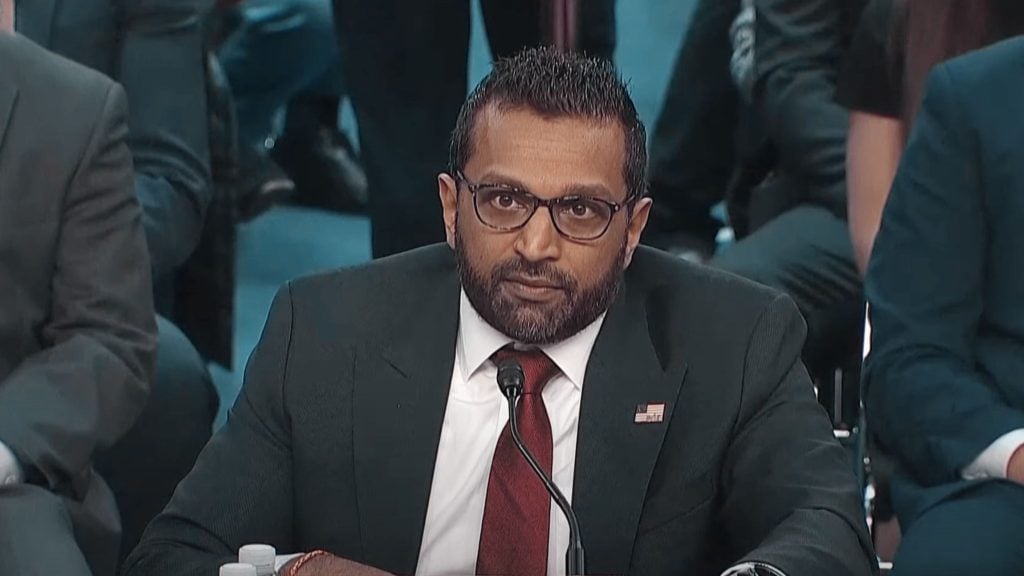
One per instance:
(536, 323)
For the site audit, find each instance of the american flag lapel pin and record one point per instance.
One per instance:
(649, 413)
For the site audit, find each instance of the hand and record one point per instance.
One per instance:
(330, 565)
(1015, 467)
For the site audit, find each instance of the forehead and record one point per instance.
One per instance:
(548, 153)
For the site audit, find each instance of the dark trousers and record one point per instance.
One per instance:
(693, 144)
(37, 533)
(406, 64)
(977, 531)
(282, 49)
(145, 466)
(806, 252)
(42, 533)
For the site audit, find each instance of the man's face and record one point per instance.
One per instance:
(534, 284)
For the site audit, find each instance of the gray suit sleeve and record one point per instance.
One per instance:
(240, 490)
(86, 387)
(798, 48)
(791, 500)
(162, 70)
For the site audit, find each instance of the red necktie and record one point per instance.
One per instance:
(514, 539)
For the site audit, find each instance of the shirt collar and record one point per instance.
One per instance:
(478, 341)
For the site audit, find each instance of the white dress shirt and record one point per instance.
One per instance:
(994, 460)
(474, 418)
(10, 470)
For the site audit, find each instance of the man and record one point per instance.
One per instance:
(76, 319)
(154, 49)
(750, 119)
(676, 415)
(787, 201)
(693, 146)
(945, 391)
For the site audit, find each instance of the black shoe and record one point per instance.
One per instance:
(261, 183)
(324, 168)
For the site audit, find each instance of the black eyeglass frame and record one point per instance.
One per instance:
(537, 203)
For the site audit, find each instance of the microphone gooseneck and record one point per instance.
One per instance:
(510, 381)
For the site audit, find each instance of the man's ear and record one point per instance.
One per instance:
(637, 223)
(448, 192)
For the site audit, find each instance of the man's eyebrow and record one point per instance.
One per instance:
(498, 178)
(594, 190)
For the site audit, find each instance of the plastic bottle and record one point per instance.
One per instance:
(259, 555)
(236, 569)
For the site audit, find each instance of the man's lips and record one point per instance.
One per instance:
(535, 283)
(537, 290)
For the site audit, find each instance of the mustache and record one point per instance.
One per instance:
(539, 270)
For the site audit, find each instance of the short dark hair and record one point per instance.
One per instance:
(555, 84)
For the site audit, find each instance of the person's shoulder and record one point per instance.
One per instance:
(59, 102)
(706, 315)
(381, 282)
(681, 289)
(979, 93)
(694, 283)
(39, 72)
(991, 68)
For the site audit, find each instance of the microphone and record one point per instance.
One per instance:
(510, 381)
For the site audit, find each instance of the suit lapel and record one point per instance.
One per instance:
(36, 18)
(614, 455)
(401, 392)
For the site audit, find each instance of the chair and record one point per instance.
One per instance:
(874, 475)
(839, 390)
(205, 285)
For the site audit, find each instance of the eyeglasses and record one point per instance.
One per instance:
(508, 208)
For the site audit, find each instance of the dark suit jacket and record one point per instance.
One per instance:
(154, 48)
(800, 45)
(946, 372)
(77, 331)
(332, 442)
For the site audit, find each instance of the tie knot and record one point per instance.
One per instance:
(538, 369)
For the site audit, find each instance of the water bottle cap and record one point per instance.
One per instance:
(259, 555)
(235, 569)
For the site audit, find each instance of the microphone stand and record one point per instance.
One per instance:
(574, 561)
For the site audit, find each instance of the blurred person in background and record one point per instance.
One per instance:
(155, 49)
(897, 43)
(944, 392)
(787, 197)
(78, 334)
(406, 65)
(750, 119)
(693, 146)
(283, 54)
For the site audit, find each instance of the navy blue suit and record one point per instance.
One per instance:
(945, 377)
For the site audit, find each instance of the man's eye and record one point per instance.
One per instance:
(505, 201)
(580, 209)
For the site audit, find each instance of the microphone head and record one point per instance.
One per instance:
(510, 377)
